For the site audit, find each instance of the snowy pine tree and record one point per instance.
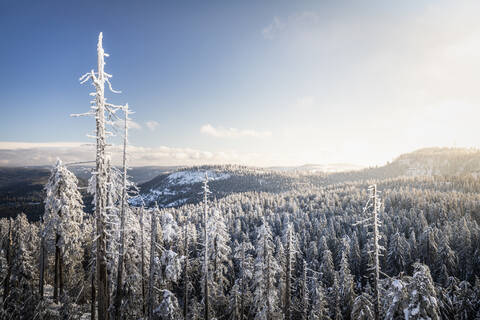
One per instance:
(63, 219)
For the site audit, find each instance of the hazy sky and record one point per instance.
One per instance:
(250, 82)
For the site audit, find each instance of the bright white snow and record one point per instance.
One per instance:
(191, 177)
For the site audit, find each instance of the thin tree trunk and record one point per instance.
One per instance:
(42, 267)
(92, 306)
(119, 295)
(153, 241)
(110, 232)
(205, 253)
(143, 261)
(376, 254)
(60, 272)
(305, 292)
(266, 273)
(215, 255)
(185, 272)
(288, 275)
(56, 267)
(242, 298)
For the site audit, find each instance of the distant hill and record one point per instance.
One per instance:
(21, 189)
(422, 162)
(320, 168)
(185, 185)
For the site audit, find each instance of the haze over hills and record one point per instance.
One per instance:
(21, 189)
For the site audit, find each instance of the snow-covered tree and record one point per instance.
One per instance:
(290, 250)
(327, 268)
(265, 295)
(423, 302)
(123, 213)
(20, 301)
(395, 300)
(398, 254)
(220, 257)
(153, 246)
(347, 292)
(245, 262)
(363, 307)
(168, 308)
(63, 219)
(205, 270)
(101, 110)
(319, 310)
(374, 246)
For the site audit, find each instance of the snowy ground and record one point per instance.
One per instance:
(191, 177)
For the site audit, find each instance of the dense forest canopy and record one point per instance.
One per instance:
(429, 229)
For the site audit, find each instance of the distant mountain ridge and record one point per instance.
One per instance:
(185, 185)
(21, 189)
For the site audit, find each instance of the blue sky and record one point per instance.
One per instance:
(251, 82)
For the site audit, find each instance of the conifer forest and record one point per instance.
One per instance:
(231, 242)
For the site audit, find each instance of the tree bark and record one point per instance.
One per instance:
(60, 273)
(267, 276)
(100, 207)
(185, 272)
(143, 261)
(205, 253)
(42, 267)
(119, 295)
(288, 277)
(56, 279)
(376, 254)
(92, 306)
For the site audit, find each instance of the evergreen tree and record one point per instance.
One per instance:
(63, 219)
(423, 302)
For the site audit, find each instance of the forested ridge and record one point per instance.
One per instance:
(429, 229)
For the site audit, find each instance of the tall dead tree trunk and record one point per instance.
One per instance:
(205, 252)
(376, 252)
(244, 283)
(93, 290)
(288, 275)
(119, 295)
(267, 278)
(143, 259)
(185, 272)
(305, 302)
(100, 207)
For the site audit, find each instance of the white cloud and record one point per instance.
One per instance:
(305, 19)
(11, 145)
(152, 125)
(35, 154)
(270, 31)
(305, 102)
(131, 124)
(221, 132)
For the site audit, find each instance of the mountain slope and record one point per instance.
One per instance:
(185, 185)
